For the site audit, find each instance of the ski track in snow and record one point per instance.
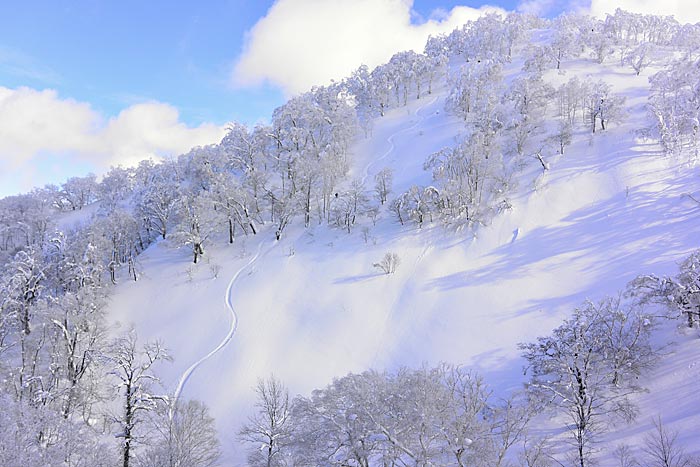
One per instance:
(390, 138)
(232, 329)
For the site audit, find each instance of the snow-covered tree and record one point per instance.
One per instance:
(115, 186)
(233, 205)
(269, 429)
(471, 179)
(464, 422)
(181, 434)
(157, 199)
(419, 204)
(437, 53)
(662, 449)
(78, 339)
(37, 436)
(312, 133)
(529, 97)
(602, 105)
(600, 41)
(243, 149)
(350, 204)
(123, 238)
(474, 89)
(589, 366)
(197, 222)
(687, 37)
(133, 369)
(566, 40)
(388, 263)
(383, 181)
(675, 100)
(21, 286)
(25, 221)
(680, 294)
(640, 57)
(332, 426)
(78, 192)
(570, 100)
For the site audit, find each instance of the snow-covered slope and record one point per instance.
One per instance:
(311, 306)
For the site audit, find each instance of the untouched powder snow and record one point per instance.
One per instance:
(311, 306)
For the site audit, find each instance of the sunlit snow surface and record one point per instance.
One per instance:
(311, 307)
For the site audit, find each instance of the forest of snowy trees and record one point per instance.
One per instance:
(75, 392)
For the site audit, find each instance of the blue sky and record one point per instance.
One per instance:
(85, 84)
(114, 54)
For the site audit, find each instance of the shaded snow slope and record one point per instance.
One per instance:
(311, 307)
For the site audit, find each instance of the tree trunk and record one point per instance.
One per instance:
(132, 268)
(25, 319)
(197, 250)
(128, 416)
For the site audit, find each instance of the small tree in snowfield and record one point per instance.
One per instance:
(389, 263)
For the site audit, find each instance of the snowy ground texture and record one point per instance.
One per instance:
(311, 307)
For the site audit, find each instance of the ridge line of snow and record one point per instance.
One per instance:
(232, 329)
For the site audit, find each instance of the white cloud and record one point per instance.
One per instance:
(153, 128)
(550, 8)
(685, 11)
(536, 7)
(44, 138)
(301, 43)
(541, 7)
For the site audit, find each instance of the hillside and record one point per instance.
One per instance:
(311, 307)
(512, 177)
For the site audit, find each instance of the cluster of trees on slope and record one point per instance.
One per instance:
(640, 40)
(585, 373)
(294, 167)
(72, 395)
(505, 125)
(297, 166)
(675, 105)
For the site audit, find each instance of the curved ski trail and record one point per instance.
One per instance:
(232, 329)
(390, 138)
